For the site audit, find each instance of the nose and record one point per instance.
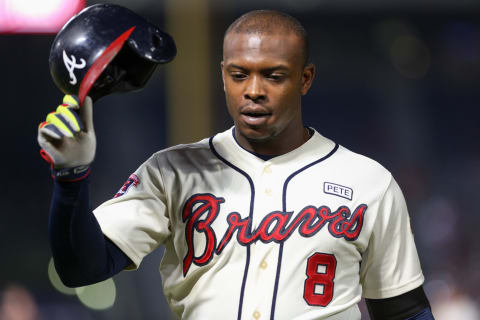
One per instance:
(254, 90)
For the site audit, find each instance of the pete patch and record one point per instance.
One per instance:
(131, 181)
(338, 190)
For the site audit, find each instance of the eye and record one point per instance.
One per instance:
(276, 77)
(237, 76)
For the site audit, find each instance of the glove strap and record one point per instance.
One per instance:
(71, 174)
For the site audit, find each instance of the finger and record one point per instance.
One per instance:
(86, 114)
(61, 123)
(50, 131)
(71, 116)
(72, 101)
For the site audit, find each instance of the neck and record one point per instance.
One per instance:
(276, 145)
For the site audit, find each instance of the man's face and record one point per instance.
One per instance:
(264, 78)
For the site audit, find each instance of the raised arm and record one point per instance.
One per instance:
(81, 253)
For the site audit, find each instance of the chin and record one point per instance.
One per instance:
(255, 134)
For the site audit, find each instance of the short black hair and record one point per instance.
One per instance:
(270, 22)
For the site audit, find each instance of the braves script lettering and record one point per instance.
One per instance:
(201, 210)
(71, 64)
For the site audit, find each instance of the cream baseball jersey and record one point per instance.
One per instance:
(301, 236)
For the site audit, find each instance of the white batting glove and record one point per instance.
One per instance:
(67, 137)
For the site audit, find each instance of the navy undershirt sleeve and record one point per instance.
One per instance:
(426, 314)
(412, 305)
(82, 254)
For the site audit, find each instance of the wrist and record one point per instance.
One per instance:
(70, 174)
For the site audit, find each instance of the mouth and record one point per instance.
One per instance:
(256, 114)
(255, 117)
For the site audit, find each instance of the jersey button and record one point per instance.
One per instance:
(268, 170)
(268, 191)
(263, 265)
(256, 315)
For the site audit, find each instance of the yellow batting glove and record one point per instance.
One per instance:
(64, 121)
(67, 136)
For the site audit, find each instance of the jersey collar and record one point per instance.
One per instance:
(313, 149)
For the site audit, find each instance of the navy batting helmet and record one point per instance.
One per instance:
(107, 48)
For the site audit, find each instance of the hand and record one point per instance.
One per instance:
(67, 137)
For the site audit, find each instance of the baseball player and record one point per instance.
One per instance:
(267, 220)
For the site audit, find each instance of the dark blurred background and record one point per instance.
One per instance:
(396, 80)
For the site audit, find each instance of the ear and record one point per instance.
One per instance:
(307, 78)
(223, 74)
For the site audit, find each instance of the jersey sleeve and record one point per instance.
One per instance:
(136, 219)
(390, 265)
